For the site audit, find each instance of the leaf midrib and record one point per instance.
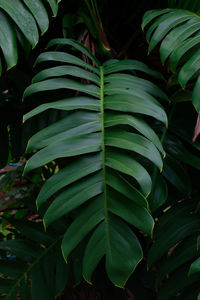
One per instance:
(104, 157)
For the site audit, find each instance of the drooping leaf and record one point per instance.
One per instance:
(20, 22)
(104, 180)
(178, 29)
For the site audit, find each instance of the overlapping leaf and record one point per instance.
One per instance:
(22, 20)
(178, 32)
(103, 137)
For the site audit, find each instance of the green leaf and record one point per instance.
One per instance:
(179, 31)
(133, 142)
(120, 234)
(54, 6)
(128, 165)
(61, 83)
(113, 119)
(182, 49)
(76, 195)
(8, 42)
(195, 267)
(98, 188)
(135, 104)
(23, 18)
(130, 212)
(23, 41)
(74, 171)
(76, 45)
(152, 14)
(21, 22)
(130, 81)
(72, 146)
(159, 192)
(157, 22)
(66, 104)
(122, 186)
(66, 70)
(83, 224)
(65, 58)
(95, 250)
(131, 65)
(73, 125)
(175, 37)
(39, 12)
(113, 239)
(166, 26)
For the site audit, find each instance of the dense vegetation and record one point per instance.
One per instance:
(99, 115)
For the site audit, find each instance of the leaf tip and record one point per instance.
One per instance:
(25, 170)
(65, 259)
(88, 281)
(45, 226)
(37, 205)
(151, 233)
(119, 286)
(161, 168)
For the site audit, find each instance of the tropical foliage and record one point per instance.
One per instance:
(109, 194)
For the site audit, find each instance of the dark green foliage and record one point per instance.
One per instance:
(109, 139)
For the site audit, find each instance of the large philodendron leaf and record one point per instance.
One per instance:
(103, 134)
(178, 31)
(22, 20)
